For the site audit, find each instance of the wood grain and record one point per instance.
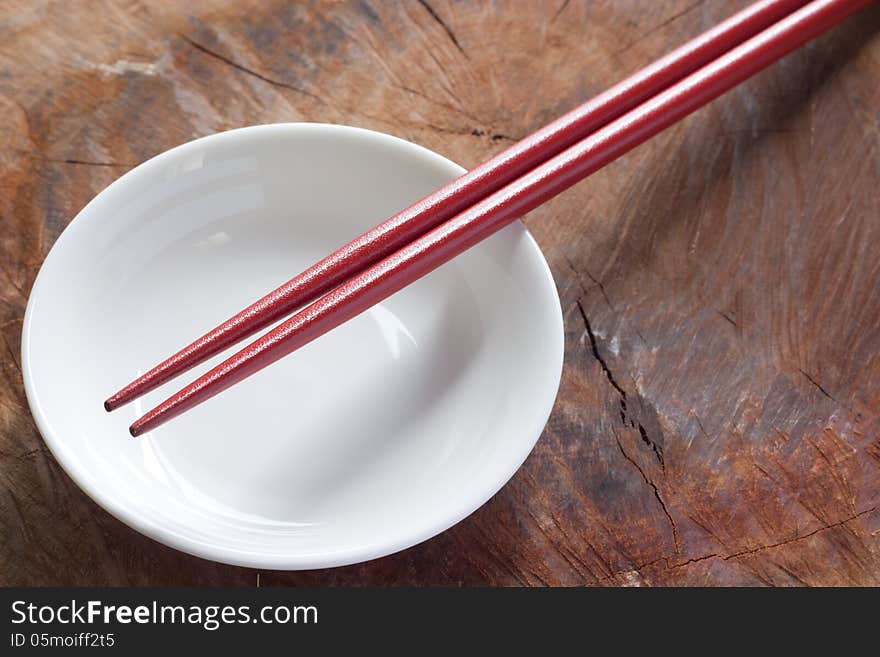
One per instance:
(718, 421)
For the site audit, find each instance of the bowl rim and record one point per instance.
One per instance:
(226, 554)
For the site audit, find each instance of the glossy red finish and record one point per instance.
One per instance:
(487, 216)
(461, 193)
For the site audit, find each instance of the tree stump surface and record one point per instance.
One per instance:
(718, 421)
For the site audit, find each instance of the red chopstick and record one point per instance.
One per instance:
(497, 210)
(446, 202)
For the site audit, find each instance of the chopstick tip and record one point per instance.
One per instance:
(135, 430)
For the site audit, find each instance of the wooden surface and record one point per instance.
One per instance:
(718, 420)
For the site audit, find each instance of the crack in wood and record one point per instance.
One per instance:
(742, 553)
(595, 349)
(660, 26)
(595, 281)
(675, 537)
(244, 69)
(818, 385)
(561, 9)
(444, 25)
(92, 163)
(726, 316)
(122, 165)
(438, 103)
(761, 548)
(624, 413)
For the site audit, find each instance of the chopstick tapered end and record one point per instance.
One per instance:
(117, 400)
(146, 423)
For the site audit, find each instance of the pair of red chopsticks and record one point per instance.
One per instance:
(457, 216)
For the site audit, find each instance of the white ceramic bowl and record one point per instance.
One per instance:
(371, 439)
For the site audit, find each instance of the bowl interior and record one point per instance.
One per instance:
(374, 437)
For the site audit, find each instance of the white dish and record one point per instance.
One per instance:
(375, 437)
